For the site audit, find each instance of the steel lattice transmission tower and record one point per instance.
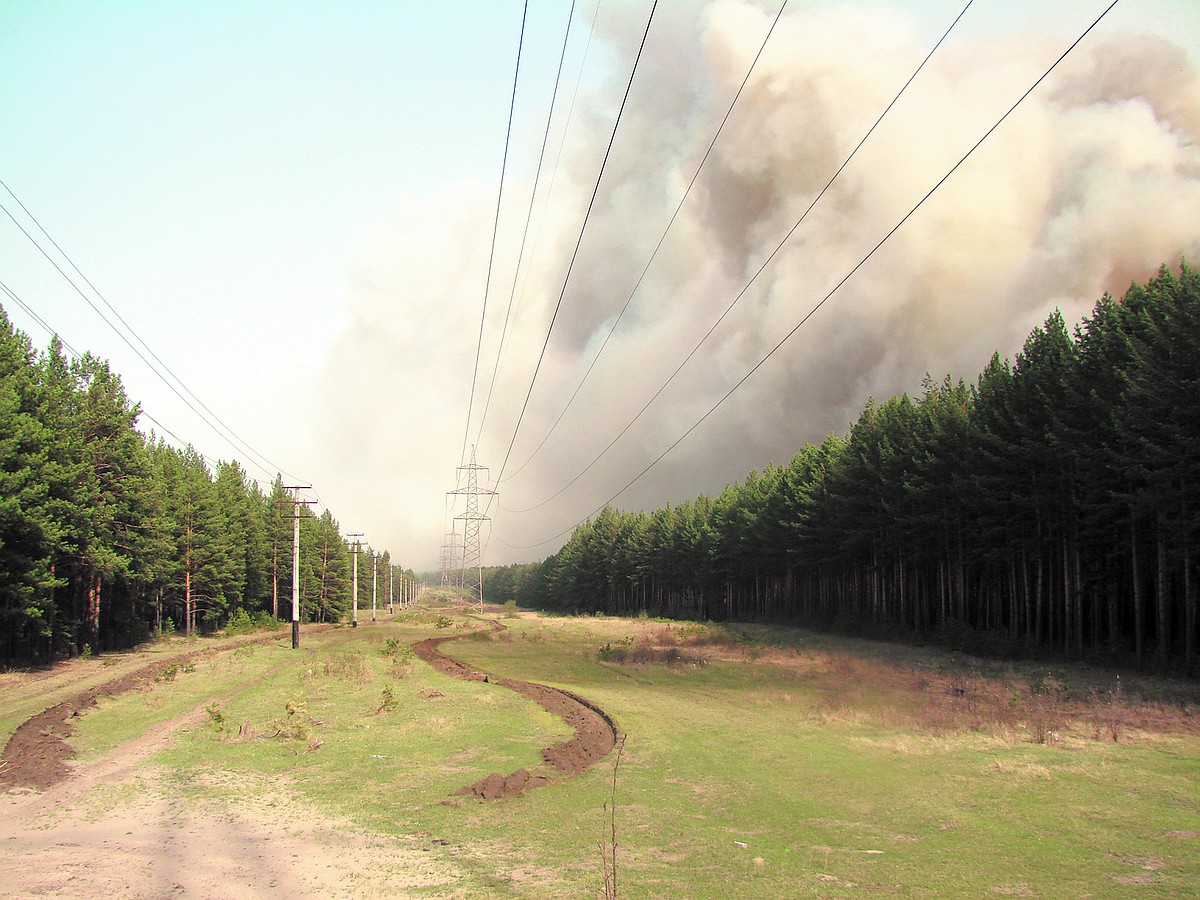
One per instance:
(451, 558)
(472, 519)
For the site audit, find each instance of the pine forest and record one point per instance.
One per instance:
(108, 535)
(1050, 508)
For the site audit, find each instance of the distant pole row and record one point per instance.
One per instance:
(408, 588)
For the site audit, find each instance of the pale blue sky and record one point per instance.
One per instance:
(217, 168)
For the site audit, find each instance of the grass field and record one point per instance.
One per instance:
(756, 762)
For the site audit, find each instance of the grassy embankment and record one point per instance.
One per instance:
(822, 768)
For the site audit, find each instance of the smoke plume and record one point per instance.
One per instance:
(1093, 182)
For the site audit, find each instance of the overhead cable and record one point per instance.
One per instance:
(528, 218)
(578, 242)
(662, 238)
(746, 377)
(495, 231)
(158, 367)
(762, 267)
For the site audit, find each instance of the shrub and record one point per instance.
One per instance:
(295, 725)
(239, 623)
(216, 718)
(387, 700)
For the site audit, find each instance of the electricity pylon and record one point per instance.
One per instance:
(451, 558)
(472, 519)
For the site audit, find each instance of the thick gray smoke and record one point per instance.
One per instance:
(1093, 182)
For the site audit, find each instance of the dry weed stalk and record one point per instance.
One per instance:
(608, 849)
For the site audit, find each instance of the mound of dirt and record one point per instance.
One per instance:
(594, 738)
(37, 753)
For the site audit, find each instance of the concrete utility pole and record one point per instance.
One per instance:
(391, 587)
(296, 504)
(374, 579)
(354, 590)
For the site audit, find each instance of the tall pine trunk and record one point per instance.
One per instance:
(93, 611)
(1189, 609)
(1161, 592)
(1139, 624)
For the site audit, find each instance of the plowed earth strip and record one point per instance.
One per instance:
(37, 753)
(594, 738)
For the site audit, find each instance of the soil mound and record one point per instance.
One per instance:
(595, 731)
(37, 754)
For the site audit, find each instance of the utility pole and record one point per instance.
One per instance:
(354, 590)
(374, 579)
(472, 519)
(391, 587)
(296, 504)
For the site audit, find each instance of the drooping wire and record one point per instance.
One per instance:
(561, 143)
(158, 367)
(32, 313)
(753, 278)
(746, 377)
(76, 355)
(662, 238)
(495, 231)
(578, 241)
(528, 218)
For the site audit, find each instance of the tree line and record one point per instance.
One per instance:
(1051, 507)
(108, 535)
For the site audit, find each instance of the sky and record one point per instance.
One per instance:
(297, 211)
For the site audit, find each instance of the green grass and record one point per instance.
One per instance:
(808, 757)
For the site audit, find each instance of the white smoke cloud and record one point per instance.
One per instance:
(1092, 183)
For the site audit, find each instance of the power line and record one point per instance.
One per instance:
(766, 262)
(578, 241)
(32, 313)
(662, 238)
(836, 287)
(76, 355)
(495, 230)
(528, 218)
(224, 431)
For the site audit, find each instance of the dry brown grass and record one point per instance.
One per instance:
(1044, 707)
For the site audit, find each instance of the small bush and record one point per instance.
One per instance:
(295, 725)
(239, 623)
(168, 674)
(510, 609)
(216, 718)
(387, 700)
(609, 653)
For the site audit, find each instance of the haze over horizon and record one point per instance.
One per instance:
(299, 219)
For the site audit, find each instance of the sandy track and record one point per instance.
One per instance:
(120, 828)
